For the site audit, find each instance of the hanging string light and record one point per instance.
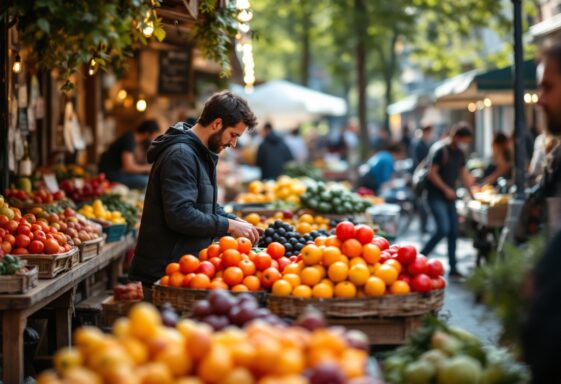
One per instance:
(93, 67)
(141, 104)
(148, 24)
(17, 64)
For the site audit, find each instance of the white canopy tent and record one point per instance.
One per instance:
(285, 105)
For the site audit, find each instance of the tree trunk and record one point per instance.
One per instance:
(305, 60)
(360, 11)
(389, 73)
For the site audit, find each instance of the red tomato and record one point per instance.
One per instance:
(405, 278)
(263, 261)
(6, 246)
(276, 250)
(22, 241)
(12, 226)
(419, 266)
(35, 227)
(39, 235)
(438, 283)
(384, 256)
(52, 246)
(3, 221)
(30, 218)
(283, 262)
(434, 268)
(24, 229)
(345, 230)
(364, 233)
(217, 262)
(381, 242)
(406, 254)
(244, 245)
(421, 283)
(2, 232)
(207, 268)
(10, 239)
(20, 251)
(270, 275)
(36, 246)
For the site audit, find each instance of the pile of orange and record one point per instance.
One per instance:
(229, 264)
(142, 350)
(345, 269)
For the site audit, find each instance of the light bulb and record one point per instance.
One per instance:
(93, 67)
(17, 64)
(527, 98)
(472, 107)
(487, 102)
(148, 30)
(535, 98)
(122, 95)
(245, 16)
(141, 105)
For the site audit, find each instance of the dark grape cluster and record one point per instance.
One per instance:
(286, 234)
(334, 222)
(222, 309)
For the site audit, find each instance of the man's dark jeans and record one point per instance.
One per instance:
(446, 220)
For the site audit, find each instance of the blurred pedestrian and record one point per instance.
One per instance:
(420, 150)
(381, 167)
(297, 146)
(119, 162)
(447, 163)
(272, 154)
(501, 166)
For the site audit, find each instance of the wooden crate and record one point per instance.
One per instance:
(183, 299)
(111, 310)
(21, 282)
(383, 330)
(50, 266)
(388, 305)
(91, 248)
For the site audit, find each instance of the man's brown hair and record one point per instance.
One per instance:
(232, 109)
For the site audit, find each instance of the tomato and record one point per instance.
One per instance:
(30, 218)
(2, 232)
(364, 233)
(6, 246)
(384, 256)
(12, 226)
(438, 283)
(406, 254)
(231, 257)
(24, 229)
(263, 261)
(434, 268)
(421, 283)
(345, 230)
(207, 268)
(247, 267)
(244, 245)
(39, 235)
(36, 246)
(52, 246)
(276, 250)
(213, 250)
(283, 262)
(419, 266)
(3, 221)
(22, 241)
(217, 262)
(270, 275)
(405, 278)
(10, 239)
(275, 264)
(20, 251)
(381, 242)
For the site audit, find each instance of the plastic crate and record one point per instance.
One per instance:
(114, 232)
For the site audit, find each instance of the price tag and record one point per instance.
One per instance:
(79, 182)
(51, 182)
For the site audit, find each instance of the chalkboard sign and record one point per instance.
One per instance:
(174, 73)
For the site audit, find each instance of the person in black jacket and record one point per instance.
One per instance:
(181, 215)
(272, 154)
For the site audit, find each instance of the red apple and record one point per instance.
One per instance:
(207, 268)
(406, 254)
(421, 283)
(434, 268)
(419, 266)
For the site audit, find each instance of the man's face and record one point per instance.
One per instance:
(463, 143)
(550, 95)
(225, 137)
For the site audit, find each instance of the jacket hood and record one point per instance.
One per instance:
(273, 138)
(178, 133)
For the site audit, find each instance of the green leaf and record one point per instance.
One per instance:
(160, 34)
(44, 25)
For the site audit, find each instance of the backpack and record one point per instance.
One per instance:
(421, 172)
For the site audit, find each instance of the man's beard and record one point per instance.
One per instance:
(553, 125)
(215, 142)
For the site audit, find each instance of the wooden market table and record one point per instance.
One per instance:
(57, 293)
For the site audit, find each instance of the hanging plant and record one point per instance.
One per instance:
(216, 31)
(65, 35)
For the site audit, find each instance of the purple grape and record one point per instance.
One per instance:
(221, 302)
(202, 308)
(243, 298)
(217, 322)
(169, 318)
(327, 373)
(311, 320)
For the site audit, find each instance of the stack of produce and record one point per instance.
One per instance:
(333, 199)
(41, 196)
(115, 202)
(86, 189)
(284, 189)
(285, 234)
(228, 264)
(491, 197)
(128, 292)
(98, 211)
(353, 263)
(145, 348)
(304, 224)
(442, 354)
(10, 265)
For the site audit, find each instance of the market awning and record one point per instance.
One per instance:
(501, 79)
(546, 27)
(408, 104)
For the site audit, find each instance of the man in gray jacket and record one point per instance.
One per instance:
(181, 214)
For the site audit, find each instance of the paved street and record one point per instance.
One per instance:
(460, 307)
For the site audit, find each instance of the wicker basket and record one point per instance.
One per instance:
(21, 282)
(112, 310)
(386, 306)
(382, 330)
(114, 232)
(50, 266)
(91, 248)
(183, 299)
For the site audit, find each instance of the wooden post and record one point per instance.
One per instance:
(13, 325)
(4, 123)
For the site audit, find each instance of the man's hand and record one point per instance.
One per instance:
(238, 228)
(450, 194)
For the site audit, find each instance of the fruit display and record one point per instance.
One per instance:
(443, 354)
(285, 234)
(354, 263)
(303, 224)
(303, 171)
(85, 189)
(285, 189)
(333, 199)
(10, 265)
(128, 292)
(41, 196)
(98, 211)
(222, 309)
(489, 196)
(143, 348)
(114, 202)
(228, 264)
